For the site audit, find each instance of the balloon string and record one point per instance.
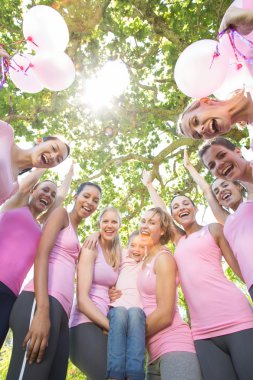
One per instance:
(232, 35)
(4, 70)
(216, 54)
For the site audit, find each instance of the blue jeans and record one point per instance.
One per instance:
(126, 343)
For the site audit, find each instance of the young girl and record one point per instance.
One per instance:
(221, 317)
(238, 225)
(14, 160)
(170, 346)
(97, 272)
(126, 340)
(44, 306)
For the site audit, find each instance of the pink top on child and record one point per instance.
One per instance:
(61, 268)
(239, 233)
(19, 238)
(127, 283)
(104, 276)
(8, 185)
(177, 336)
(217, 307)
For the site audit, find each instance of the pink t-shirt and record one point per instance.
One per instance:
(239, 233)
(217, 307)
(19, 238)
(177, 336)
(61, 268)
(104, 276)
(127, 283)
(8, 185)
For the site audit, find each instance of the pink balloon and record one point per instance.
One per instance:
(45, 29)
(237, 77)
(55, 70)
(22, 74)
(198, 72)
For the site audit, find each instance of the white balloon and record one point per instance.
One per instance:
(45, 29)
(22, 75)
(55, 70)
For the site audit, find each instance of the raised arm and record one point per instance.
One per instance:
(38, 333)
(62, 192)
(216, 230)
(20, 198)
(218, 211)
(85, 271)
(166, 271)
(240, 19)
(158, 202)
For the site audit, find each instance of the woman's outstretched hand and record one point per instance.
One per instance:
(146, 178)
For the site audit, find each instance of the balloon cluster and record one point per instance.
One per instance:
(211, 67)
(46, 32)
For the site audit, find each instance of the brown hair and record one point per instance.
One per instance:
(216, 141)
(165, 223)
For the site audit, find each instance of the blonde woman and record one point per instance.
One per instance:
(97, 272)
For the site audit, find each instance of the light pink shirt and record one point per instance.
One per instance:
(61, 268)
(177, 336)
(217, 307)
(19, 239)
(238, 231)
(104, 276)
(127, 283)
(8, 185)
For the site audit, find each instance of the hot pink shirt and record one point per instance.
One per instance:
(127, 283)
(217, 307)
(61, 268)
(8, 185)
(19, 238)
(104, 276)
(177, 336)
(239, 233)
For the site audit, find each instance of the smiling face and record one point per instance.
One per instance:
(208, 119)
(43, 196)
(109, 225)
(136, 248)
(227, 193)
(87, 201)
(225, 163)
(150, 227)
(49, 153)
(183, 211)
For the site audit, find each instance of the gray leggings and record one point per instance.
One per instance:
(88, 350)
(175, 366)
(55, 362)
(227, 357)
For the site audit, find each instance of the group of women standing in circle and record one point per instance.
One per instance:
(126, 299)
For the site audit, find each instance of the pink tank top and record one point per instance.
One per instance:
(177, 336)
(8, 185)
(217, 307)
(127, 283)
(19, 238)
(61, 268)
(104, 276)
(239, 233)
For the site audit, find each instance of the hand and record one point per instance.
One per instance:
(240, 19)
(91, 241)
(114, 294)
(187, 161)
(37, 337)
(71, 168)
(146, 178)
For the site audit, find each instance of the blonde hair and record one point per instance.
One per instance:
(115, 254)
